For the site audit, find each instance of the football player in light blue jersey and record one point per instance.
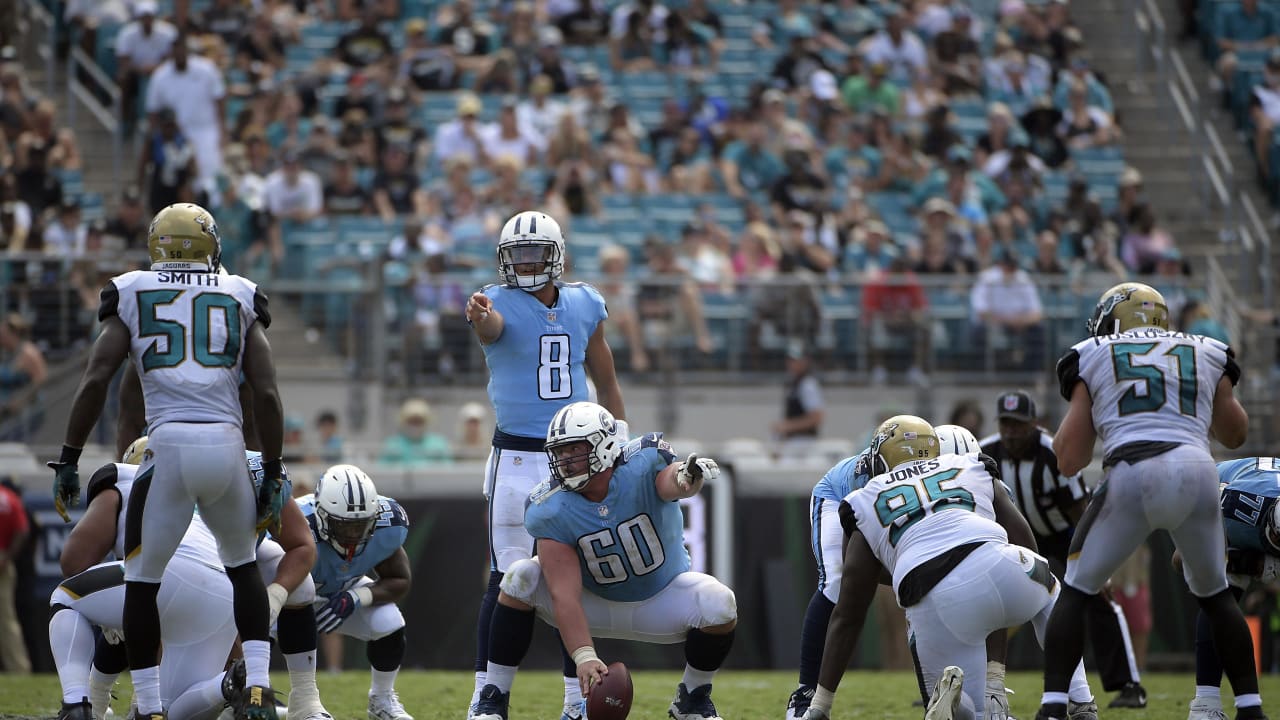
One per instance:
(1251, 519)
(611, 563)
(540, 338)
(359, 534)
(827, 539)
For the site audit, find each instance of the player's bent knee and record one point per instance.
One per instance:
(520, 583)
(385, 620)
(718, 606)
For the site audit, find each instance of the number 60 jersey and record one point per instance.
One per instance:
(188, 331)
(922, 509)
(1149, 386)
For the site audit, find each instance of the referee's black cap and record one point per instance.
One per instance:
(1016, 405)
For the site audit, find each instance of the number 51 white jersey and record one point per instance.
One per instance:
(922, 509)
(188, 333)
(1149, 384)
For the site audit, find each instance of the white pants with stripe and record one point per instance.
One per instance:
(827, 538)
(509, 477)
(989, 590)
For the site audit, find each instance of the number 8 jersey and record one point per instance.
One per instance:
(536, 366)
(1150, 386)
(921, 509)
(188, 334)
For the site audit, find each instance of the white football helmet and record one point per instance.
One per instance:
(346, 509)
(955, 440)
(530, 238)
(1272, 530)
(583, 422)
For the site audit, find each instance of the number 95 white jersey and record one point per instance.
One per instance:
(1149, 384)
(188, 334)
(921, 509)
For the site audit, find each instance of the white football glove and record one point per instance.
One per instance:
(276, 596)
(696, 469)
(113, 636)
(997, 702)
(1270, 569)
(624, 431)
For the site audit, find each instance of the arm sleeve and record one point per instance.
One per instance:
(260, 307)
(1068, 373)
(104, 479)
(109, 302)
(848, 519)
(1230, 368)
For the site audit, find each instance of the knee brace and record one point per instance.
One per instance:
(521, 580)
(717, 603)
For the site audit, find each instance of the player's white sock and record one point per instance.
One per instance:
(504, 676)
(257, 663)
(1250, 700)
(146, 690)
(694, 678)
(71, 639)
(482, 679)
(1209, 691)
(302, 678)
(1079, 691)
(572, 691)
(100, 685)
(382, 682)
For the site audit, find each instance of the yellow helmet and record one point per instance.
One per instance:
(1127, 306)
(900, 439)
(184, 236)
(133, 454)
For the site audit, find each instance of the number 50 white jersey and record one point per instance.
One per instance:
(920, 510)
(188, 334)
(1149, 385)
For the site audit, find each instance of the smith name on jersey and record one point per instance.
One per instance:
(526, 395)
(922, 509)
(1149, 386)
(1250, 489)
(332, 572)
(188, 331)
(631, 544)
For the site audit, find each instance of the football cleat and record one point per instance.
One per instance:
(387, 707)
(1043, 714)
(76, 711)
(233, 681)
(693, 705)
(1253, 712)
(1203, 708)
(798, 705)
(492, 704)
(574, 711)
(946, 695)
(1132, 695)
(1082, 711)
(814, 713)
(305, 711)
(257, 703)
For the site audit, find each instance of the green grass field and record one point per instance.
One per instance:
(739, 695)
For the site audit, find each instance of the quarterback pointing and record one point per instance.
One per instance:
(191, 333)
(540, 337)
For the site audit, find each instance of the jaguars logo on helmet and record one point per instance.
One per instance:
(136, 452)
(900, 439)
(1127, 306)
(184, 236)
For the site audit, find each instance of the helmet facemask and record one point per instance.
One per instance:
(517, 255)
(347, 535)
(595, 427)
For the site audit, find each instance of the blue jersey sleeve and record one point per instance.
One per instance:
(540, 520)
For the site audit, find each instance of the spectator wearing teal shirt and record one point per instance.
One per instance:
(413, 445)
(748, 166)
(1097, 94)
(854, 159)
(1245, 27)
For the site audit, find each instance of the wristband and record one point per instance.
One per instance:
(584, 654)
(995, 671)
(363, 595)
(273, 469)
(70, 455)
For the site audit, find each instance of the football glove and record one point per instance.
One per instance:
(270, 498)
(66, 487)
(697, 469)
(336, 611)
(112, 635)
(997, 701)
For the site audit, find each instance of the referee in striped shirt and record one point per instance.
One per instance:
(1053, 504)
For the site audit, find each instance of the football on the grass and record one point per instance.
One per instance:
(610, 699)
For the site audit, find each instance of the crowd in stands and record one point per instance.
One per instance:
(699, 153)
